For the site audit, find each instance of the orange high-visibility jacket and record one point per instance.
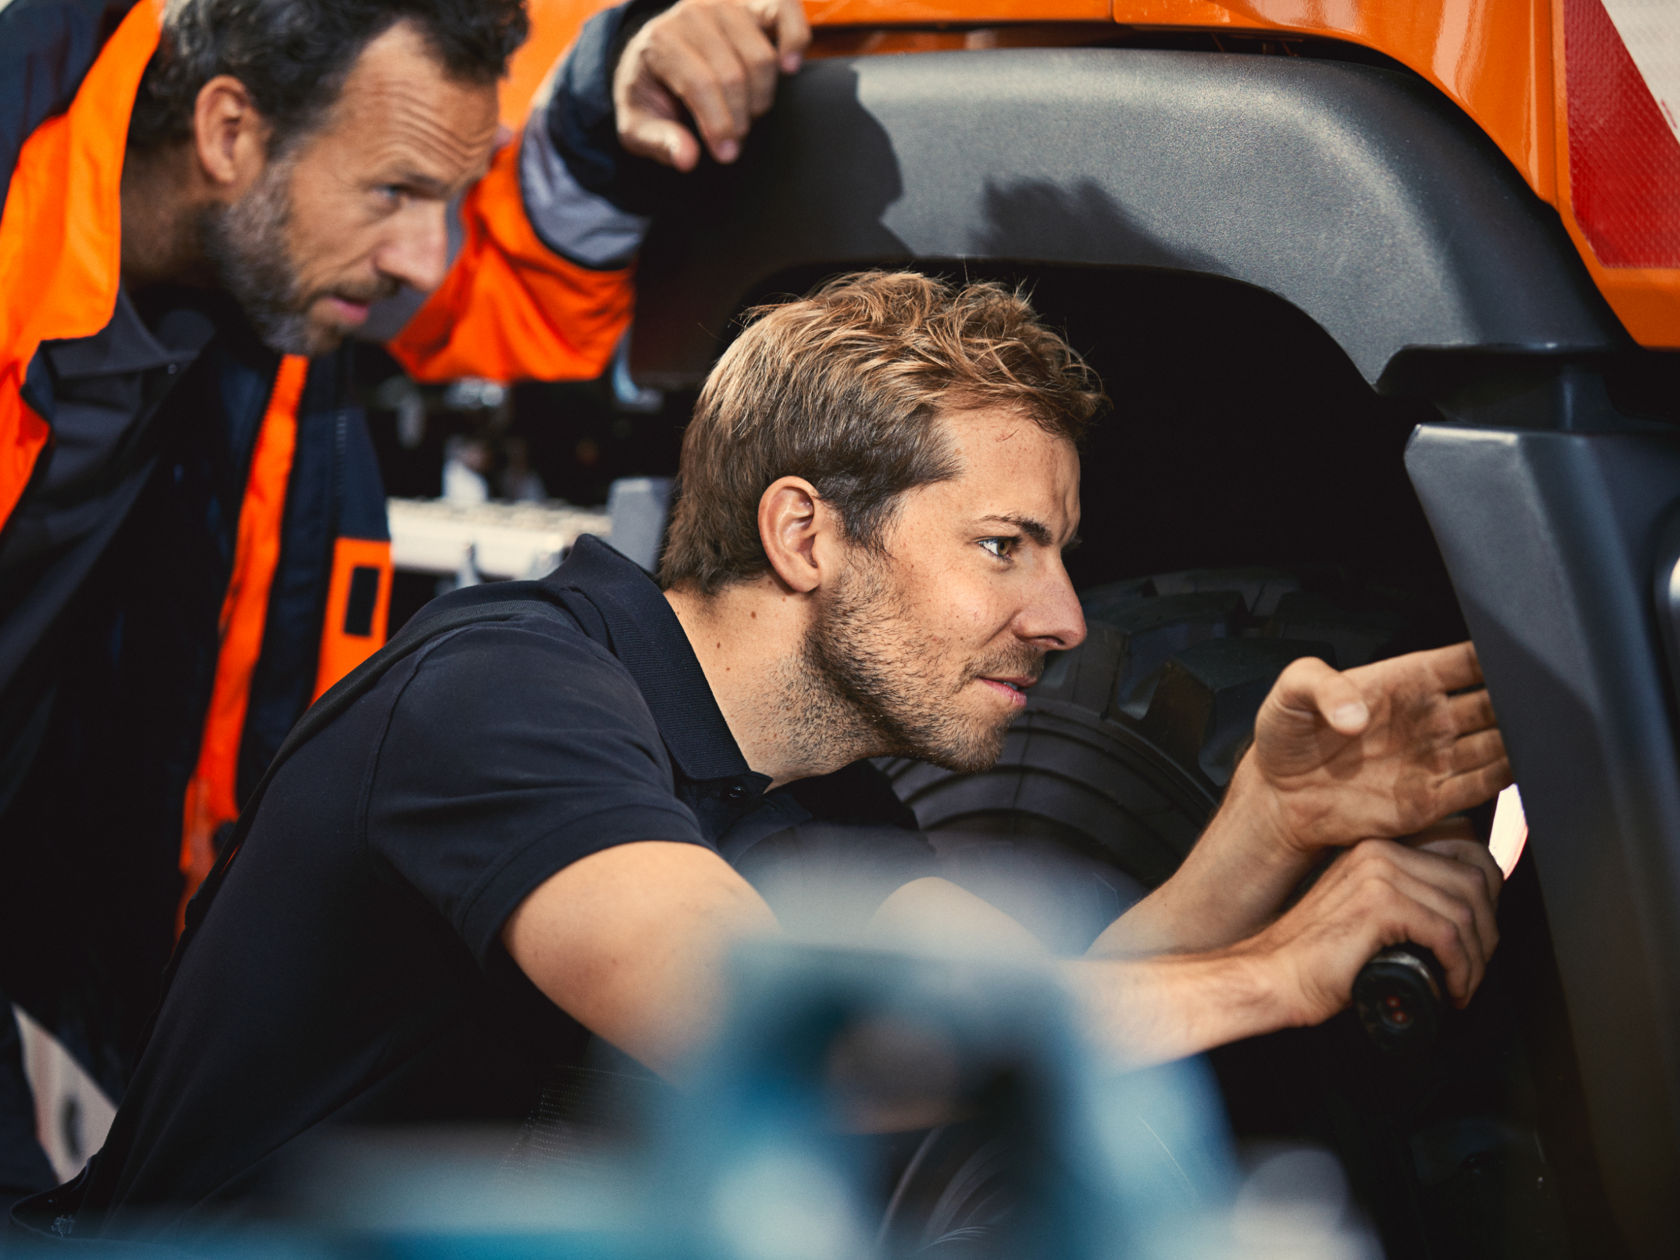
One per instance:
(309, 579)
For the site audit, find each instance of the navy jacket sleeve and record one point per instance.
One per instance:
(579, 121)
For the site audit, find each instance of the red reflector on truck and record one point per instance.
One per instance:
(1624, 157)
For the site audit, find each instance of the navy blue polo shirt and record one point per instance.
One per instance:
(350, 969)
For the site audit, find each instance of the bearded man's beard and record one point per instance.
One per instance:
(245, 244)
(876, 687)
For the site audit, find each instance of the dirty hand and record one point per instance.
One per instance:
(715, 61)
(1379, 751)
(1441, 894)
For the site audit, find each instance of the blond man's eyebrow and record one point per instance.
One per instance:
(1036, 530)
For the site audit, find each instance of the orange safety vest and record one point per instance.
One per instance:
(509, 308)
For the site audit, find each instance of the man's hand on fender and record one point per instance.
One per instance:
(1382, 751)
(713, 61)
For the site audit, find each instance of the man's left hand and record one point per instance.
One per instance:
(713, 61)
(1379, 751)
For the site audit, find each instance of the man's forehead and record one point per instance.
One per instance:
(983, 439)
(1009, 429)
(1011, 474)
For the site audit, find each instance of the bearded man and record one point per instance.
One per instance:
(204, 198)
(513, 829)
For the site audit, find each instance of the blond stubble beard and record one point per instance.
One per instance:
(865, 683)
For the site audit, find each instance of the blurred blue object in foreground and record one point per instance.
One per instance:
(856, 1103)
(1032, 1151)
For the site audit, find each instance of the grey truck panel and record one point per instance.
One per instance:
(1557, 544)
(1356, 193)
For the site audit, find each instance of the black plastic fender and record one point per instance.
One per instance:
(1552, 541)
(1357, 193)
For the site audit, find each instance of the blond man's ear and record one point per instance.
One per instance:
(800, 534)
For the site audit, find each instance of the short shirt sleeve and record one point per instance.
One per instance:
(511, 752)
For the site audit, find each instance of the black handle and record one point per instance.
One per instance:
(1399, 998)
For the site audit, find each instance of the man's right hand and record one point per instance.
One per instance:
(1299, 969)
(1440, 893)
(715, 61)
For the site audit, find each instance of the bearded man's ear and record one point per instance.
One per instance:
(230, 137)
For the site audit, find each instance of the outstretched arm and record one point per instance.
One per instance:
(632, 941)
(540, 283)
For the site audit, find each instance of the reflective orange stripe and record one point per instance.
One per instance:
(61, 234)
(211, 797)
(22, 435)
(510, 308)
(358, 603)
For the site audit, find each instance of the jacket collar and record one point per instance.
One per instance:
(126, 345)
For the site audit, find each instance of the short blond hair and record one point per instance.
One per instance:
(845, 388)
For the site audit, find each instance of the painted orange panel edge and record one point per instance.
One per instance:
(1645, 299)
(900, 12)
(1498, 60)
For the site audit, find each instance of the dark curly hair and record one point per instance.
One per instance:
(847, 388)
(293, 55)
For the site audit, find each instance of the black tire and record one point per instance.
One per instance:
(1128, 741)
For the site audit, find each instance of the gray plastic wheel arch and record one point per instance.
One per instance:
(1553, 543)
(1356, 193)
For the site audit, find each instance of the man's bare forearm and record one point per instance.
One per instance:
(1136, 1010)
(1150, 1010)
(1231, 885)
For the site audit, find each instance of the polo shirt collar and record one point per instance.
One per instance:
(648, 639)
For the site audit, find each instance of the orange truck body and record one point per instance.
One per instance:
(1506, 63)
